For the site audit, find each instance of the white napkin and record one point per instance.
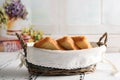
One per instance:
(65, 59)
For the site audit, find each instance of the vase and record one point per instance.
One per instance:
(16, 25)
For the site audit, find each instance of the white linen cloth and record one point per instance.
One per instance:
(69, 59)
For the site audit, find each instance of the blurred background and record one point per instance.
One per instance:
(77, 17)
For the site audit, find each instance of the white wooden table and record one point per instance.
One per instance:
(9, 69)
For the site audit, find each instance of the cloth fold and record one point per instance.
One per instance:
(114, 68)
(22, 58)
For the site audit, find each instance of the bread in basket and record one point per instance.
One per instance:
(56, 62)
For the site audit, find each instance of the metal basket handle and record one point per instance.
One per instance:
(23, 44)
(105, 37)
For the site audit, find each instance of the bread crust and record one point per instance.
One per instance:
(67, 43)
(82, 42)
(48, 43)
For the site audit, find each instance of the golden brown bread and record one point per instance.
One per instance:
(67, 43)
(64, 43)
(48, 43)
(81, 42)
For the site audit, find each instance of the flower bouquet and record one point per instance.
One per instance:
(17, 16)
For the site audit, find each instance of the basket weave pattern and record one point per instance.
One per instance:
(47, 71)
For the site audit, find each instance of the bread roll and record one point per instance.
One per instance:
(81, 42)
(67, 43)
(48, 43)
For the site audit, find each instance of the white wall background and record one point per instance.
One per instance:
(78, 17)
